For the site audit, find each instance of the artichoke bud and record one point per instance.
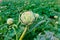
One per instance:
(9, 21)
(36, 15)
(27, 17)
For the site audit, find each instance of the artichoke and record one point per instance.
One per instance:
(9, 21)
(27, 17)
(36, 15)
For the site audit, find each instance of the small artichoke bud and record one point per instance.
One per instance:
(57, 22)
(55, 16)
(37, 15)
(9, 21)
(27, 17)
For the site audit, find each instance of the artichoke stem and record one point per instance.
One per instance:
(23, 34)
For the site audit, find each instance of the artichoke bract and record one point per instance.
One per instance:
(27, 17)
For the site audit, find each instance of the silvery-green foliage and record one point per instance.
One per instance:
(47, 36)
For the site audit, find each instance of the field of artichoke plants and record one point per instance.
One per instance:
(29, 19)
